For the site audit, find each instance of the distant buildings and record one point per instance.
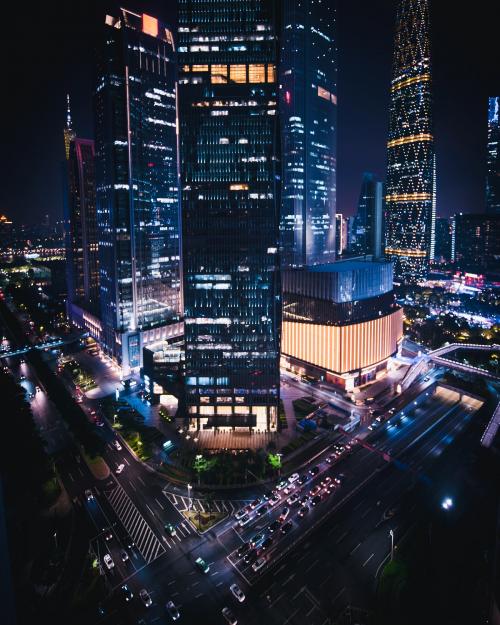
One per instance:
(476, 242)
(137, 185)
(308, 78)
(410, 193)
(340, 234)
(340, 321)
(231, 201)
(493, 158)
(367, 225)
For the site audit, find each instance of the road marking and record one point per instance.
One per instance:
(198, 596)
(366, 513)
(312, 565)
(172, 582)
(126, 461)
(342, 537)
(289, 579)
(72, 478)
(368, 559)
(358, 506)
(278, 571)
(353, 550)
(338, 595)
(132, 486)
(141, 480)
(290, 617)
(150, 510)
(219, 584)
(159, 504)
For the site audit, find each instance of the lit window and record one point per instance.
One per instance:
(238, 187)
(238, 73)
(271, 73)
(218, 74)
(256, 73)
(200, 68)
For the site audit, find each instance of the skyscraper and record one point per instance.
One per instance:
(410, 182)
(443, 240)
(493, 159)
(81, 240)
(137, 185)
(69, 133)
(308, 77)
(476, 242)
(230, 170)
(368, 223)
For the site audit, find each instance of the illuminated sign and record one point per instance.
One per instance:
(149, 25)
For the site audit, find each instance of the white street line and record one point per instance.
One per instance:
(141, 480)
(126, 461)
(132, 486)
(338, 594)
(159, 504)
(368, 559)
(72, 478)
(341, 537)
(150, 510)
(353, 550)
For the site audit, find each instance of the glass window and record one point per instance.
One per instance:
(238, 73)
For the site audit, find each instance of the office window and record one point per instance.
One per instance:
(238, 73)
(256, 73)
(218, 74)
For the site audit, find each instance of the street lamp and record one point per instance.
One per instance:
(391, 534)
(189, 487)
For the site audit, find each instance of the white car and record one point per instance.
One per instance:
(120, 468)
(173, 612)
(293, 478)
(145, 597)
(108, 561)
(237, 592)
(244, 520)
(229, 616)
(258, 564)
(117, 445)
(89, 495)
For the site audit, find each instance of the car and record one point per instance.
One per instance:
(38, 389)
(331, 458)
(315, 500)
(292, 499)
(145, 597)
(89, 495)
(108, 534)
(339, 479)
(246, 518)
(128, 595)
(325, 481)
(286, 527)
(257, 540)
(274, 526)
(250, 557)
(426, 379)
(123, 555)
(303, 510)
(289, 489)
(315, 490)
(284, 513)
(255, 503)
(281, 485)
(108, 561)
(240, 514)
(117, 445)
(229, 616)
(304, 499)
(172, 611)
(267, 543)
(274, 500)
(262, 510)
(243, 549)
(293, 478)
(100, 423)
(120, 468)
(303, 479)
(258, 564)
(170, 529)
(22, 377)
(314, 471)
(237, 592)
(202, 565)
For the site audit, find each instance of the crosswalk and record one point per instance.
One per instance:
(182, 503)
(141, 533)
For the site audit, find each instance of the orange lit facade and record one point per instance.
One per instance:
(346, 354)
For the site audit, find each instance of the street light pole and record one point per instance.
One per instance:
(189, 487)
(391, 534)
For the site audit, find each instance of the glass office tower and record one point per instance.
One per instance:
(81, 240)
(493, 158)
(230, 170)
(410, 191)
(368, 223)
(137, 184)
(308, 77)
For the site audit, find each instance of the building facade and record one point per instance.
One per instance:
(340, 321)
(476, 242)
(410, 181)
(443, 240)
(367, 229)
(493, 157)
(308, 78)
(137, 185)
(231, 184)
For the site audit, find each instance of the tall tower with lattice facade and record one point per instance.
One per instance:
(410, 195)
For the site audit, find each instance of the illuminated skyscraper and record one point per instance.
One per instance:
(231, 183)
(410, 191)
(308, 78)
(493, 161)
(69, 133)
(137, 185)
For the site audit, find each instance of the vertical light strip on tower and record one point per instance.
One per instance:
(410, 146)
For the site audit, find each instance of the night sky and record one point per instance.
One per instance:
(51, 51)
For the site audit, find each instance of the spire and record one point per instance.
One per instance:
(68, 113)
